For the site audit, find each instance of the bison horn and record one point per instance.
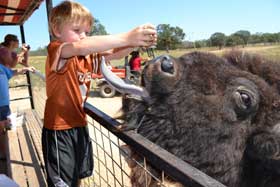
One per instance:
(120, 85)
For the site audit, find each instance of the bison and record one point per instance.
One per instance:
(219, 114)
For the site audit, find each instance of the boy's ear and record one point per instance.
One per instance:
(56, 31)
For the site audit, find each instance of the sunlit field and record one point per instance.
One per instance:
(269, 51)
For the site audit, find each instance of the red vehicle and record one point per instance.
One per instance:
(106, 90)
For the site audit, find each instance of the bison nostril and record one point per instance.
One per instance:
(246, 100)
(167, 65)
(165, 58)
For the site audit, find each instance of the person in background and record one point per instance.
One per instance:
(72, 58)
(136, 62)
(9, 56)
(8, 60)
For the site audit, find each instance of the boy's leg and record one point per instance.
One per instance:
(85, 153)
(60, 157)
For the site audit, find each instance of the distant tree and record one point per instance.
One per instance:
(244, 35)
(208, 43)
(201, 43)
(218, 39)
(270, 37)
(256, 38)
(40, 51)
(198, 44)
(169, 37)
(278, 36)
(234, 40)
(98, 28)
(187, 45)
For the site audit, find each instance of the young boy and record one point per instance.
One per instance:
(71, 59)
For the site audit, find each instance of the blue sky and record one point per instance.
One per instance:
(198, 18)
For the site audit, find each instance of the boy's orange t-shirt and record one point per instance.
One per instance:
(67, 88)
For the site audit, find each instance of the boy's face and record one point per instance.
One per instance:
(72, 32)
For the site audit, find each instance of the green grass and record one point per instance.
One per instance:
(38, 62)
(269, 51)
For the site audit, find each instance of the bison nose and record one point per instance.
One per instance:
(165, 57)
(166, 64)
(161, 58)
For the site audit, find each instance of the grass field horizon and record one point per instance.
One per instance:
(269, 51)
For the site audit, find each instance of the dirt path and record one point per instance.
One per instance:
(110, 106)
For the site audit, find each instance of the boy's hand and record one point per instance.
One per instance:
(144, 36)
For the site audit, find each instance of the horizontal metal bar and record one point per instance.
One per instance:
(167, 162)
(18, 86)
(20, 98)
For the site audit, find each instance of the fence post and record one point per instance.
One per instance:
(27, 73)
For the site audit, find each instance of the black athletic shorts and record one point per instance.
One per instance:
(68, 156)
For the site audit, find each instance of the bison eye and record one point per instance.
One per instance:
(243, 99)
(167, 66)
(246, 101)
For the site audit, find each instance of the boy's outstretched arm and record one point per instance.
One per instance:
(117, 53)
(144, 35)
(24, 70)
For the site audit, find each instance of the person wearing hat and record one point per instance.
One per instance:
(8, 55)
(136, 62)
(9, 59)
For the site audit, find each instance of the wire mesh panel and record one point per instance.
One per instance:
(112, 162)
(39, 94)
(110, 166)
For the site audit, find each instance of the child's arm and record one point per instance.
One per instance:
(23, 70)
(144, 35)
(23, 55)
(117, 53)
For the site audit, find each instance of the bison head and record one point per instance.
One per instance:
(220, 114)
